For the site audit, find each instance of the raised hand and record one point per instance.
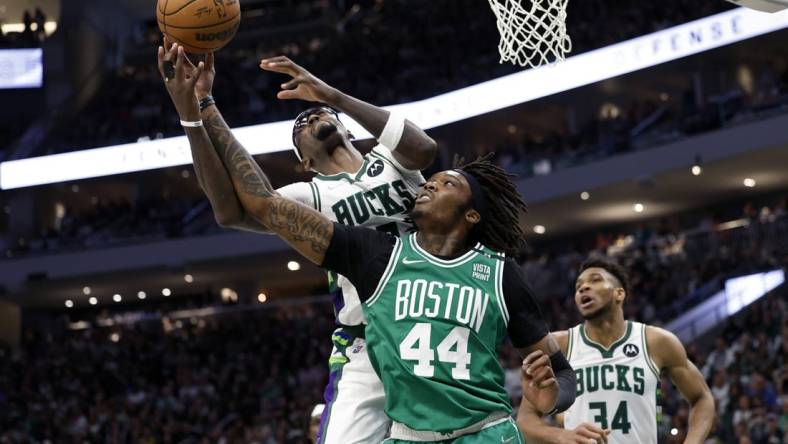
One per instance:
(539, 384)
(303, 85)
(180, 78)
(204, 86)
(584, 434)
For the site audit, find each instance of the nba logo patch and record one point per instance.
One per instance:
(375, 169)
(631, 350)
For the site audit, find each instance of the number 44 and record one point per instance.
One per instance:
(416, 347)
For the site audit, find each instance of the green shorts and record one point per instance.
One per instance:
(504, 433)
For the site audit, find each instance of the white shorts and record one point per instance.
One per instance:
(354, 395)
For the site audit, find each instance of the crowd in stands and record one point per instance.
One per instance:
(385, 52)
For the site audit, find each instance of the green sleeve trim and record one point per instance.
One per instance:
(314, 196)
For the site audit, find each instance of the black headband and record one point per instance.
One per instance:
(477, 193)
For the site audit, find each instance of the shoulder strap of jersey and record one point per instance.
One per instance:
(499, 267)
(571, 342)
(646, 352)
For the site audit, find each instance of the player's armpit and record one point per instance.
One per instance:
(669, 354)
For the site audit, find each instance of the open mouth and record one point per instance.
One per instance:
(424, 196)
(586, 301)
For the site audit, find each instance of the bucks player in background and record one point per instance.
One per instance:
(375, 190)
(618, 365)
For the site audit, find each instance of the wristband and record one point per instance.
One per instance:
(206, 101)
(392, 132)
(191, 124)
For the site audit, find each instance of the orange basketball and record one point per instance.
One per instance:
(199, 25)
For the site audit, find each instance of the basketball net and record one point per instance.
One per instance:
(532, 36)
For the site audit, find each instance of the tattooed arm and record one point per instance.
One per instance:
(306, 230)
(227, 207)
(211, 173)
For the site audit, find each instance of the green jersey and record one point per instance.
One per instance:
(435, 324)
(433, 331)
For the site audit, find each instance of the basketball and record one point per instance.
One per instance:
(201, 26)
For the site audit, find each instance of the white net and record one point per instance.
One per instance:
(533, 32)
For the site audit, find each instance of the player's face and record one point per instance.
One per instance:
(318, 132)
(445, 197)
(595, 292)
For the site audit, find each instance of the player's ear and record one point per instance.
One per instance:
(473, 217)
(620, 294)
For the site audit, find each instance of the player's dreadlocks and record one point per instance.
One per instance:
(500, 228)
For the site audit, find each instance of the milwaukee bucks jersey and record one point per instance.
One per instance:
(379, 195)
(433, 332)
(616, 387)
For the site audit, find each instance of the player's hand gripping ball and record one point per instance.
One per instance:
(199, 26)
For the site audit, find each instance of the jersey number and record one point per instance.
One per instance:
(416, 347)
(620, 419)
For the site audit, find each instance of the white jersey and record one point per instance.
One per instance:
(379, 195)
(616, 387)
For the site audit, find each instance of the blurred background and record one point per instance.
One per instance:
(128, 315)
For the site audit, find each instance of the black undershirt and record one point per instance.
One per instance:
(362, 254)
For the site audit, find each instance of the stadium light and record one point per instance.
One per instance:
(583, 69)
(638, 207)
(539, 229)
(117, 298)
(92, 301)
(69, 303)
(749, 182)
(585, 195)
(166, 292)
(86, 290)
(188, 278)
(141, 295)
(262, 298)
(293, 266)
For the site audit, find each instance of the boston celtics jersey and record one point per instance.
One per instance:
(433, 332)
(379, 195)
(616, 387)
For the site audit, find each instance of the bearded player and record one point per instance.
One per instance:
(376, 190)
(618, 365)
(438, 301)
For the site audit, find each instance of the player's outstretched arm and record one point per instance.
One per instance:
(669, 354)
(305, 229)
(211, 174)
(413, 149)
